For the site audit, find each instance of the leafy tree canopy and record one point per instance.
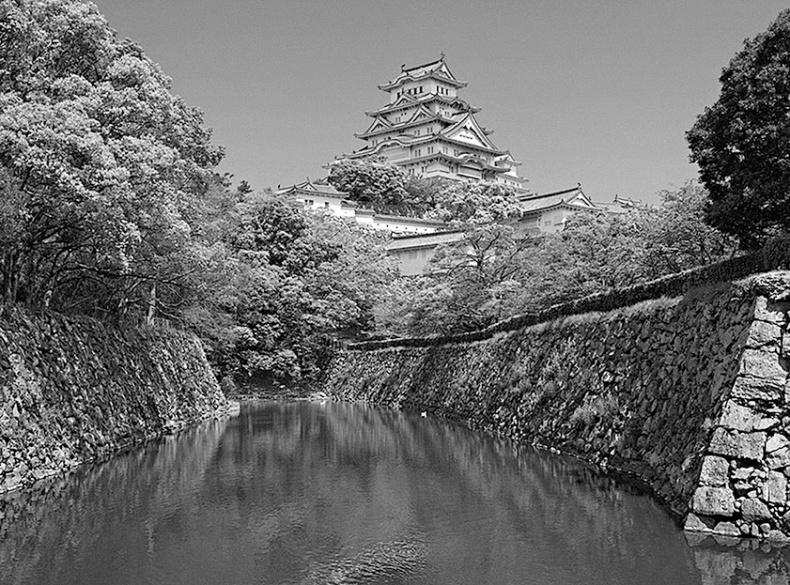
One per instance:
(373, 182)
(100, 163)
(494, 272)
(742, 142)
(475, 203)
(387, 188)
(287, 281)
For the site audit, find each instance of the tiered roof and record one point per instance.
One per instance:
(452, 123)
(435, 69)
(408, 101)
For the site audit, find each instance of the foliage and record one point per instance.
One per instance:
(678, 236)
(470, 281)
(475, 203)
(372, 182)
(109, 206)
(741, 143)
(289, 281)
(495, 272)
(595, 409)
(100, 165)
(385, 187)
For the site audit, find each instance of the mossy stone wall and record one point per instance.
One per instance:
(73, 390)
(687, 392)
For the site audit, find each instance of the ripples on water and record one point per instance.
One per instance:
(321, 494)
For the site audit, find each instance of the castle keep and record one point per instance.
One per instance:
(427, 129)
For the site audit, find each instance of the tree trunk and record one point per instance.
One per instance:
(149, 318)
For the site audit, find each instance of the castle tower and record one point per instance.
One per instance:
(428, 130)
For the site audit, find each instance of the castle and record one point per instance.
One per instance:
(427, 129)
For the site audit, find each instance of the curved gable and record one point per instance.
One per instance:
(469, 131)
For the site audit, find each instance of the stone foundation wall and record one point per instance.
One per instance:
(74, 390)
(688, 393)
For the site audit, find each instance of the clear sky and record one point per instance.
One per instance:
(598, 92)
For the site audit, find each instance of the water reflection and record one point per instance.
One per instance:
(305, 493)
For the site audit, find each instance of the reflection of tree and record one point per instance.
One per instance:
(291, 493)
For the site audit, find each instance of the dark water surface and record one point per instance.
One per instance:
(337, 493)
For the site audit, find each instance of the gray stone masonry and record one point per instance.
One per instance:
(74, 390)
(688, 393)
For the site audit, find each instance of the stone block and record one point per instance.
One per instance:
(713, 501)
(762, 333)
(749, 387)
(774, 490)
(737, 417)
(742, 445)
(742, 473)
(764, 310)
(765, 424)
(776, 442)
(762, 364)
(714, 471)
(754, 510)
(726, 529)
(779, 459)
(695, 524)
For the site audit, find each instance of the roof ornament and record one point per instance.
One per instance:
(442, 56)
(403, 67)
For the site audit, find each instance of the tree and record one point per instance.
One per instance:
(470, 282)
(373, 182)
(475, 203)
(101, 166)
(677, 235)
(493, 273)
(742, 142)
(287, 281)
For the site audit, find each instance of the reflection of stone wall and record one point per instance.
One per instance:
(97, 500)
(688, 393)
(735, 561)
(73, 390)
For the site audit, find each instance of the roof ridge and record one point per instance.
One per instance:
(439, 60)
(553, 193)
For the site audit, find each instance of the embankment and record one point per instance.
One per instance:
(687, 391)
(73, 390)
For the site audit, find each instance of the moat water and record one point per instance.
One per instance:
(309, 493)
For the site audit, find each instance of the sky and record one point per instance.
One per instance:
(597, 92)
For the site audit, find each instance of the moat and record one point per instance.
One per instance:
(338, 493)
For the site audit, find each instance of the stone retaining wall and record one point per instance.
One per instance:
(688, 393)
(73, 390)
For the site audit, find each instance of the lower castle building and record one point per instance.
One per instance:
(415, 240)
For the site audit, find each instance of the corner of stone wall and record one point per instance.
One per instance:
(742, 489)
